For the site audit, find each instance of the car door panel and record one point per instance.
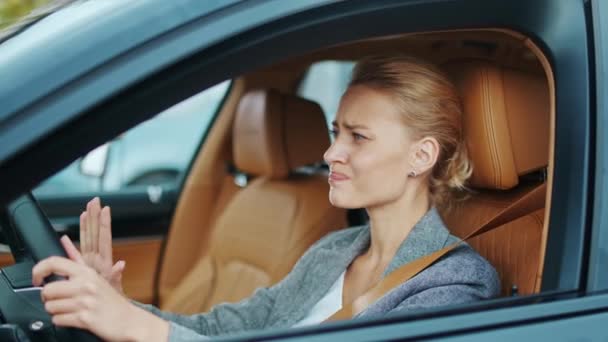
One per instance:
(598, 277)
(497, 320)
(142, 258)
(6, 258)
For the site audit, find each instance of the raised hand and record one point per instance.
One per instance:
(96, 243)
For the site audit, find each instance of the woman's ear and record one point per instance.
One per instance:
(424, 155)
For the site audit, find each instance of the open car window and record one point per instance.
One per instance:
(324, 83)
(154, 153)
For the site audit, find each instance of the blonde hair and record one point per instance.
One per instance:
(431, 107)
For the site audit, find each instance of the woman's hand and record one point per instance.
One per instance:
(96, 243)
(85, 300)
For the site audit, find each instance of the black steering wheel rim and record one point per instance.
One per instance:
(34, 229)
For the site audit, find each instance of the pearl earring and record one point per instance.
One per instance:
(412, 173)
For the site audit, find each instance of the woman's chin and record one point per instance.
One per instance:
(341, 202)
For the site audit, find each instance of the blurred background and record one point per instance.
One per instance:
(12, 11)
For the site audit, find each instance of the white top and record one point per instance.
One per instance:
(327, 306)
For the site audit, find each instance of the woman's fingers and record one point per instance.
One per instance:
(62, 289)
(84, 245)
(117, 269)
(71, 250)
(105, 235)
(115, 278)
(96, 242)
(71, 319)
(93, 228)
(63, 305)
(89, 228)
(53, 265)
(88, 302)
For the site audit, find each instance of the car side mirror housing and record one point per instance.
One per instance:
(94, 163)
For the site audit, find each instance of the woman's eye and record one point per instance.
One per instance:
(358, 136)
(333, 133)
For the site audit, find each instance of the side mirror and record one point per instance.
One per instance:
(94, 163)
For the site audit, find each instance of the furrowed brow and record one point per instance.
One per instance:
(350, 126)
(355, 126)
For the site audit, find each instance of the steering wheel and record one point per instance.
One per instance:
(20, 303)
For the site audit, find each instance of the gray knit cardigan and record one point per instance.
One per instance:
(460, 277)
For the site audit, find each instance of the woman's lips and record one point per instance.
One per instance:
(337, 177)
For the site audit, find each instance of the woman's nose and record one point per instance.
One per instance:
(335, 153)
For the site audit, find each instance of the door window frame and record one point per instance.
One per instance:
(270, 40)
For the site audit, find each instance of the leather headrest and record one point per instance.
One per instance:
(276, 133)
(505, 121)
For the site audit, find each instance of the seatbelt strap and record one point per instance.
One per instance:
(529, 202)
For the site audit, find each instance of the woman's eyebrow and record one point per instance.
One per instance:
(350, 126)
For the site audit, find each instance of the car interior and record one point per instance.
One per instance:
(225, 240)
(255, 197)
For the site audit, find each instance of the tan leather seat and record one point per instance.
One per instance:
(269, 224)
(506, 125)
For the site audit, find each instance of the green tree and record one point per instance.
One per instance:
(12, 10)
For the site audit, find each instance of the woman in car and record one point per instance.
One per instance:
(398, 152)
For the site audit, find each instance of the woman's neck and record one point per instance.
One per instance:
(391, 223)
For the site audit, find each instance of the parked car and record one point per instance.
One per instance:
(88, 73)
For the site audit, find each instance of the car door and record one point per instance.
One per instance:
(562, 30)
